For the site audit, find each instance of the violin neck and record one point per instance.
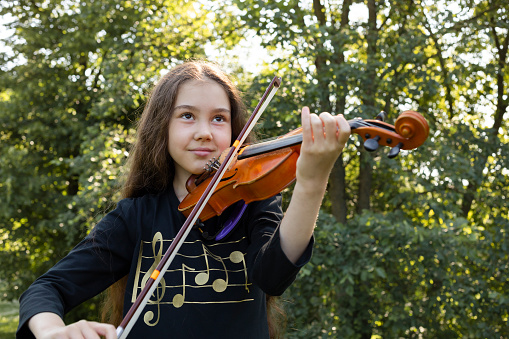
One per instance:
(270, 146)
(277, 144)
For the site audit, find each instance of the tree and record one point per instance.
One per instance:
(70, 95)
(402, 55)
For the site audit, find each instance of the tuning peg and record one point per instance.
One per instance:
(381, 116)
(371, 144)
(395, 150)
(212, 164)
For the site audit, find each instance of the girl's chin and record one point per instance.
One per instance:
(197, 171)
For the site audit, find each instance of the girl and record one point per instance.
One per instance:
(213, 288)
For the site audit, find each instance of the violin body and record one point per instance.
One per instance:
(248, 180)
(263, 170)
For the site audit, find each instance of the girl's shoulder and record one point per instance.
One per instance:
(132, 209)
(129, 213)
(148, 200)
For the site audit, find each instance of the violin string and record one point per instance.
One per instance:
(363, 123)
(214, 164)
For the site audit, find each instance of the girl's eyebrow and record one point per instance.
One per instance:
(194, 108)
(189, 107)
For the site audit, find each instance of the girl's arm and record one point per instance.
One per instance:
(48, 325)
(93, 265)
(324, 138)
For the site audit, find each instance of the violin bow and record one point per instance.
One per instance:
(134, 312)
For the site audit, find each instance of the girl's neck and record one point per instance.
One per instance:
(180, 189)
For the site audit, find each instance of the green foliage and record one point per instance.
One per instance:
(426, 256)
(8, 319)
(393, 276)
(70, 93)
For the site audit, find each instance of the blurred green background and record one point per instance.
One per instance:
(413, 247)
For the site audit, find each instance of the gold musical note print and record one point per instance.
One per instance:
(199, 274)
(179, 299)
(219, 285)
(238, 257)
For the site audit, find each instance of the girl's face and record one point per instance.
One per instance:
(200, 126)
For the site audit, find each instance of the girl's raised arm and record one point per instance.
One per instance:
(324, 138)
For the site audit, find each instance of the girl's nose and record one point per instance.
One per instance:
(203, 132)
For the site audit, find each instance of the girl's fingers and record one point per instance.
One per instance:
(74, 332)
(330, 126)
(307, 134)
(343, 130)
(88, 332)
(316, 128)
(323, 139)
(84, 330)
(324, 130)
(106, 330)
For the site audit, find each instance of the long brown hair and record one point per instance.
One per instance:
(151, 169)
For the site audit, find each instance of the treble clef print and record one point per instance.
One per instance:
(157, 251)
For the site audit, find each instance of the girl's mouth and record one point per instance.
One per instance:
(202, 152)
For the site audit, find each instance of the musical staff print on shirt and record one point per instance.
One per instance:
(218, 267)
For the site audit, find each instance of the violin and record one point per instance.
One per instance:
(262, 170)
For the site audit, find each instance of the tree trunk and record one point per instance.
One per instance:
(365, 181)
(502, 104)
(368, 100)
(337, 192)
(337, 184)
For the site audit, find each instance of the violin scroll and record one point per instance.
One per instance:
(413, 127)
(410, 131)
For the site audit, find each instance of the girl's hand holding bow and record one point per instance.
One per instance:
(50, 326)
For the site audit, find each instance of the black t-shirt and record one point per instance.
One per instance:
(211, 289)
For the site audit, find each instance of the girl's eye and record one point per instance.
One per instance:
(219, 118)
(187, 116)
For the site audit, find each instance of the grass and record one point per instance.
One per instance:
(8, 319)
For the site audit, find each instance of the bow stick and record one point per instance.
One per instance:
(134, 312)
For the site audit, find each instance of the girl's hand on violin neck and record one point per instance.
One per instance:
(323, 140)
